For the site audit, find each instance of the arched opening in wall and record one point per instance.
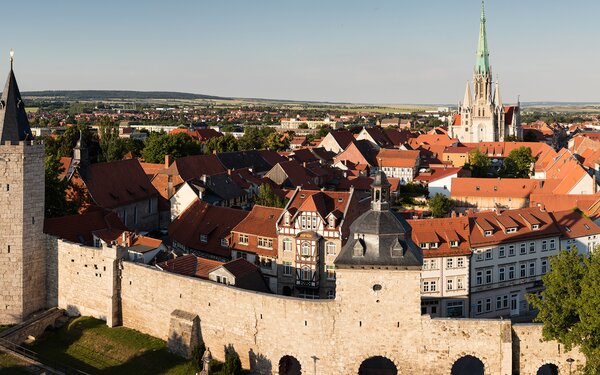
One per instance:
(377, 366)
(467, 365)
(289, 365)
(287, 291)
(548, 369)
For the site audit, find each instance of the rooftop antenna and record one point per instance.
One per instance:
(12, 57)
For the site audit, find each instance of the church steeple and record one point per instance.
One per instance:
(467, 101)
(483, 56)
(14, 125)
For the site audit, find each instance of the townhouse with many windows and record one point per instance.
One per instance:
(445, 273)
(401, 164)
(510, 255)
(311, 231)
(255, 239)
(578, 231)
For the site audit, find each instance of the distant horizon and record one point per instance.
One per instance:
(335, 51)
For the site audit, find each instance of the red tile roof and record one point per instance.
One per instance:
(397, 158)
(492, 187)
(190, 265)
(573, 224)
(201, 218)
(80, 228)
(260, 222)
(442, 231)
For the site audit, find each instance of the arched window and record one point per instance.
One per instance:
(305, 274)
(306, 249)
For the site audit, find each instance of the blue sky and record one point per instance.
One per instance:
(411, 51)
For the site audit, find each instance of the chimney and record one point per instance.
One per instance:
(167, 161)
(453, 214)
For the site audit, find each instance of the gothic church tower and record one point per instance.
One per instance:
(482, 117)
(22, 246)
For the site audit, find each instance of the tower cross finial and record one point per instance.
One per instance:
(12, 57)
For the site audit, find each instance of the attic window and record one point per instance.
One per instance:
(359, 249)
(535, 226)
(203, 238)
(511, 230)
(495, 188)
(487, 233)
(434, 245)
(424, 245)
(567, 229)
(477, 188)
(453, 243)
(586, 226)
(340, 199)
(302, 196)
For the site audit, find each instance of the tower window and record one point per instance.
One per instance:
(8, 250)
(32, 220)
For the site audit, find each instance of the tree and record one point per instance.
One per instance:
(56, 203)
(233, 364)
(112, 147)
(530, 136)
(568, 306)
(479, 163)
(277, 142)
(323, 131)
(518, 163)
(178, 145)
(266, 197)
(226, 143)
(440, 205)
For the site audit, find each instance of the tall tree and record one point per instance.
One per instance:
(56, 203)
(225, 143)
(440, 205)
(277, 142)
(568, 307)
(266, 197)
(518, 163)
(160, 144)
(479, 163)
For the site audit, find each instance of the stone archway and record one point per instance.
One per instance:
(377, 365)
(548, 369)
(468, 365)
(289, 365)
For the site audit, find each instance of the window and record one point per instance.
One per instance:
(303, 222)
(423, 245)
(306, 274)
(552, 244)
(532, 269)
(243, 239)
(488, 304)
(479, 307)
(523, 248)
(544, 245)
(449, 263)
(332, 222)
(511, 250)
(535, 227)
(264, 242)
(425, 286)
(454, 309)
(224, 242)
(449, 284)
(433, 264)
(460, 262)
(479, 278)
(286, 218)
(488, 233)
(501, 252)
(488, 254)
(243, 255)
(523, 270)
(498, 302)
(266, 262)
(479, 256)
(305, 249)
(287, 244)
(330, 271)
(331, 294)
(501, 273)
(511, 272)
(453, 243)
(203, 238)
(459, 283)
(434, 245)
(330, 248)
(544, 266)
(433, 286)
(488, 276)
(505, 301)
(532, 247)
(511, 230)
(287, 268)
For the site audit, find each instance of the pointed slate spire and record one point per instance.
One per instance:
(483, 56)
(467, 101)
(14, 125)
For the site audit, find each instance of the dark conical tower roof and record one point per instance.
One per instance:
(14, 125)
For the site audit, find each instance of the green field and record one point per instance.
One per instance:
(88, 345)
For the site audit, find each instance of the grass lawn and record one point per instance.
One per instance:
(12, 365)
(87, 344)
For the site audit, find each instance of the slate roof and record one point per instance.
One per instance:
(221, 186)
(118, 183)
(244, 159)
(14, 125)
(247, 275)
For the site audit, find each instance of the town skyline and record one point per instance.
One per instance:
(377, 53)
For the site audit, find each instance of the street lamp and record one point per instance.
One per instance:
(570, 362)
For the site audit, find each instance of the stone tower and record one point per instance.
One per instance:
(482, 117)
(22, 246)
(380, 264)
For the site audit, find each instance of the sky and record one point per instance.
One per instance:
(393, 52)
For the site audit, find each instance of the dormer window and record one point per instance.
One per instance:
(332, 222)
(224, 242)
(203, 238)
(424, 245)
(487, 233)
(535, 226)
(511, 230)
(434, 245)
(453, 243)
(286, 218)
